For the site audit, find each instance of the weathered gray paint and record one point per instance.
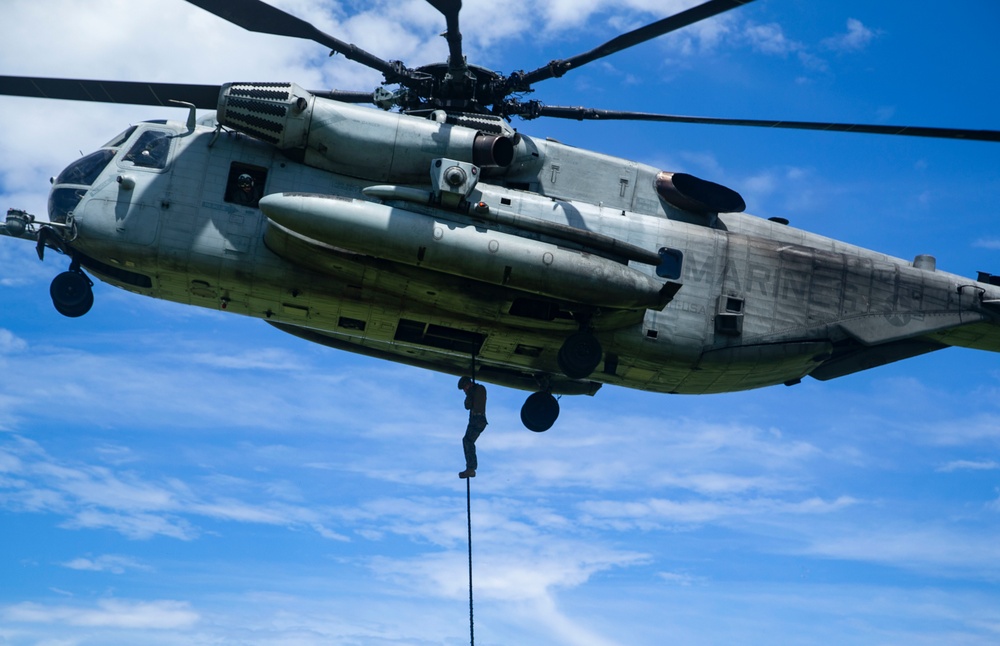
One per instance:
(809, 303)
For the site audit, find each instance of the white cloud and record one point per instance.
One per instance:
(982, 428)
(108, 613)
(969, 465)
(134, 525)
(856, 38)
(770, 39)
(680, 579)
(523, 571)
(256, 359)
(662, 512)
(10, 343)
(723, 483)
(95, 497)
(927, 549)
(987, 243)
(114, 563)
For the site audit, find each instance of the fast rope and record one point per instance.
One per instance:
(468, 516)
(468, 513)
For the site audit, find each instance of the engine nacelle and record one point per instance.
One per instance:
(353, 140)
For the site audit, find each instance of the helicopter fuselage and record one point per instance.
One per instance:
(502, 259)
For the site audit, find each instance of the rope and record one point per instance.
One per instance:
(468, 512)
(468, 515)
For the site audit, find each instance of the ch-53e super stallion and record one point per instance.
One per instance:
(432, 233)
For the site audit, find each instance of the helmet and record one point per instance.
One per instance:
(244, 180)
(464, 383)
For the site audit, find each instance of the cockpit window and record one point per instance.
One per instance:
(120, 139)
(86, 169)
(150, 150)
(62, 201)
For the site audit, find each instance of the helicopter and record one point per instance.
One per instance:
(428, 231)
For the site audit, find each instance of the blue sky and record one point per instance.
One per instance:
(171, 475)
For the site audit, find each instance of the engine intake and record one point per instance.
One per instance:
(277, 113)
(354, 140)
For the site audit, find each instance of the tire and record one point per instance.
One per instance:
(71, 294)
(580, 355)
(539, 412)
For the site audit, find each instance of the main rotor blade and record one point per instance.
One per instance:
(634, 37)
(345, 96)
(205, 97)
(450, 9)
(254, 15)
(132, 92)
(565, 112)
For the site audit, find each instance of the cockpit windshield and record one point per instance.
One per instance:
(120, 138)
(86, 169)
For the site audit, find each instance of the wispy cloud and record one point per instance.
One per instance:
(107, 613)
(928, 549)
(681, 579)
(770, 39)
(10, 343)
(96, 497)
(856, 38)
(114, 563)
(979, 429)
(662, 513)
(987, 243)
(257, 359)
(969, 465)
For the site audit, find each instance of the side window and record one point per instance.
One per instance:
(245, 184)
(150, 150)
(671, 261)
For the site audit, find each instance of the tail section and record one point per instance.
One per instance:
(983, 333)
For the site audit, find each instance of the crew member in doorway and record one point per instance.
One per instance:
(475, 403)
(246, 191)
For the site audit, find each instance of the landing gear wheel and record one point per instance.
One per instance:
(539, 412)
(580, 355)
(71, 293)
